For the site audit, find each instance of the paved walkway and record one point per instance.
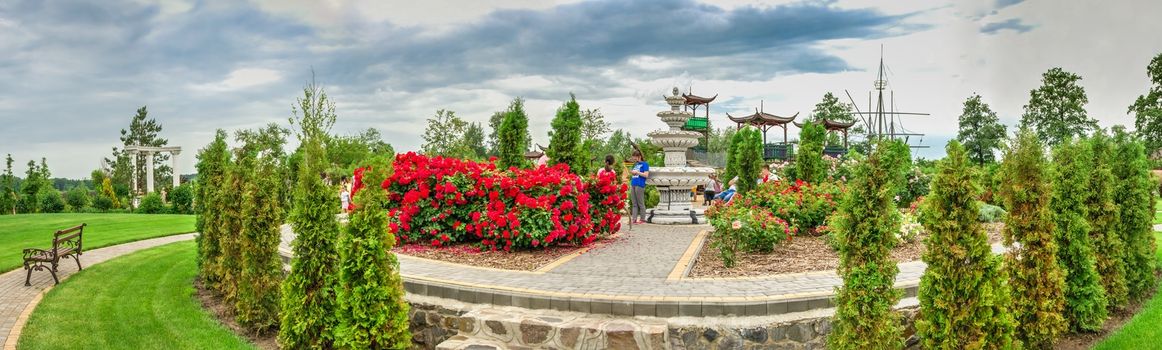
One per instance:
(646, 251)
(15, 297)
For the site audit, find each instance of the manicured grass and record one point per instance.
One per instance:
(142, 300)
(35, 231)
(1145, 329)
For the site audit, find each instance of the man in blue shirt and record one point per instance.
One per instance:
(637, 197)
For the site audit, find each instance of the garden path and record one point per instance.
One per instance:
(646, 251)
(17, 300)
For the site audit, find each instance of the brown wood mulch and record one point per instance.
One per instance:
(224, 313)
(800, 254)
(1082, 341)
(468, 254)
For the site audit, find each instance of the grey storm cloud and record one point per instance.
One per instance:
(1013, 24)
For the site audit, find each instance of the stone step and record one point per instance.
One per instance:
(516, 328)
(461, 342)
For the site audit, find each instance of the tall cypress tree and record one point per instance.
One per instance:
(866, 225)
(308, 293)
(212, 164)
(372, 311)
(1135, 195)
(1037, 279)
(258, 294)
(964, 292)
(514, 136)
(1085, 300)
(565, 138)
(1103, 220)
(748, 158)
(230, 241)
(809, 160)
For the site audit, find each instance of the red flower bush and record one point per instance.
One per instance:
(803, 205)
(606, 200)
(441, 200)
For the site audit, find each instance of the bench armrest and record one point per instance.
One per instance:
(30, 252)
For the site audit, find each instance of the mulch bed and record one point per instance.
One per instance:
(224, 313)
(800, 254)
(468, 254)
(1082, 341)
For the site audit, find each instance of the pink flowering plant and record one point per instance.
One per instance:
(802, 205)
(742, 226)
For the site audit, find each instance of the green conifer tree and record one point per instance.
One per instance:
(1103, 220)
(514, 137)
(238, 176)
(258, 295)
(565, 137)
(212, 164)
(749, 158)
(1037, 279)
(1085, 300)
(866, 225)
(1135, 196)
(372, 311)
(964, 293)
(809, 165)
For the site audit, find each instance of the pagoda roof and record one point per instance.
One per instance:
(533, 154)
(832, 125)
(692, 100)
(762, 118)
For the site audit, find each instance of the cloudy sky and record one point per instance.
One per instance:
(75, 72)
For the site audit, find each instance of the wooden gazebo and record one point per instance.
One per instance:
(764, 121)
(834, 125)
(693, 102)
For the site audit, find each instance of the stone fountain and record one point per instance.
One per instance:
(676, 180)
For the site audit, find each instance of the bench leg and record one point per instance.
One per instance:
(78, 259)
(27, 277)
(53, 272)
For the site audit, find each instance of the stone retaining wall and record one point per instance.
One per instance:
(435, 320)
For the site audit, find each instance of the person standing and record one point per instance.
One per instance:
(712, 188)
(637, 198)
(344, 195)
(608, 168)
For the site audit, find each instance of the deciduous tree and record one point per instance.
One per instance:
(980, 131)
(1056, 110)
(1147, 109)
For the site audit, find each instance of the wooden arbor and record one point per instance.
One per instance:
(764, 121)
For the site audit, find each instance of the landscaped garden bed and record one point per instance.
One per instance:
(467, 254)
(799, 254)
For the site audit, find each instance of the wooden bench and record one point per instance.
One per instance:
(65, 244)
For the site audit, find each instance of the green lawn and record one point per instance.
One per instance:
(1145, 329)
(35, 231)
(139, 301)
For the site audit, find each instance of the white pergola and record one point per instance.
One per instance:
(149, 151)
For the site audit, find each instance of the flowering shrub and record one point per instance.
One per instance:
(804, 206)
(915, 187)
(743, 225)
(447, 200)
(606, 200)
(840, 169)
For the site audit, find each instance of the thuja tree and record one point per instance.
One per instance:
(262, 214)
(964, 293)
(308, 298)
(372, 311)
(565, 137)
(1103, 220)
(749, 158)
(1135, 196)
(866, 225)
(1037, 279)
(809, 165)
(212, 164)
(229, 241)
(514, 136)
(731, 154)
(1085, 300)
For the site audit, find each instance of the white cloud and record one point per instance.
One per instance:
(241, 79)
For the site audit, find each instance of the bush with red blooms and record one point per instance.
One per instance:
(804, 206)
(606, 200)
(440, 200)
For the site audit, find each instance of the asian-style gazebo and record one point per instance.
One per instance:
(834, 126)
(765, 121)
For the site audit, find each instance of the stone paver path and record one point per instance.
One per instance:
(646, 251)
(15, 297)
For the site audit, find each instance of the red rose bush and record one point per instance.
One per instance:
(438, 200)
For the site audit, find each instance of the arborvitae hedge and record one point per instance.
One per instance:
(1135, 195)
(513, 135)
(731, 164)
(212, 164)
(308, 296)
(565, 138)
(1103, 221)
(866, 228)
(1085, 300)
(258, 294)
(372, 311)
(964, 293)
(749, 158)
(809, 165)
(1036, 278)
(229, 242)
